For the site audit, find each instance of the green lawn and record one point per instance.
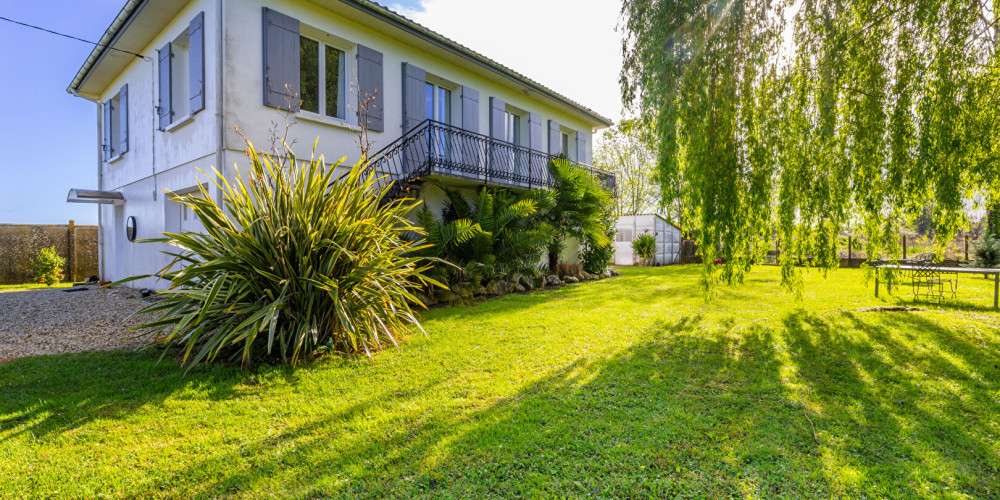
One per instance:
(32, 286)
(634, 386)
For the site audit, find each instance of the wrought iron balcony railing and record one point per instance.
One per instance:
(435, 148)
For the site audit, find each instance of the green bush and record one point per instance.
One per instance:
(47, 267)
(294, 260)
(497, 236)
(644, 247)
(987, 252)
(597, 258)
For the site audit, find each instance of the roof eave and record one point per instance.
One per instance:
(386, 15)
(107, 40)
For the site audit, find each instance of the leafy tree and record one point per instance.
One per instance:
(800, 118)
(626, 151)
(579, 209)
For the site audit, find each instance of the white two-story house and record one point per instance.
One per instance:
(171, 78)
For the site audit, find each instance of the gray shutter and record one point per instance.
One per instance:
(581, 147)
(196, 33)
(535, 131)
(555, 138)
(281, 59)
(414, 81)
(470, 109)
(123, 119)
(497, 109)
(106, 142)
(370, 86)
(164, 108)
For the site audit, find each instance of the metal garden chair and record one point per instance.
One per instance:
(927, 281)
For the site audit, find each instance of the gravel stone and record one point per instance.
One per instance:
(49, 321)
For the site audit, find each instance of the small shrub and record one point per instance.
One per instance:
(987, 252)
(294, 260)
(47, 267)
(596, 257)
(644, 247)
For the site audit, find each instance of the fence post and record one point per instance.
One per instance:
(71, 251)
(904, 247)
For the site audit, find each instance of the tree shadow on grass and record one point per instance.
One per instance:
(50, 394)
(680, 412)
(888, 404)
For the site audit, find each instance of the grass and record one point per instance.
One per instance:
(32, 286)
(628, 387)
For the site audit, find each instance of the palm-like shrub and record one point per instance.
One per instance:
(294, 259)
(580, 209)
(499, 235)
(644, 247)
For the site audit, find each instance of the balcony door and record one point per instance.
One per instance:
(517, 159)
(440, 144)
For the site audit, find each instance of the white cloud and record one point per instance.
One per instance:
(570, 46)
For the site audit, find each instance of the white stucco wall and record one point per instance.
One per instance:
(169, 160)
(244, 101)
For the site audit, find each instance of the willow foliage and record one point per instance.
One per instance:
(797, 119)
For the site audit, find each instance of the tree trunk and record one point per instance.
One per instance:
(553, 261)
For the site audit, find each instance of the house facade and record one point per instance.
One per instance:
(172, 78)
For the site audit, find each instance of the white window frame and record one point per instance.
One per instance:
(440, 84)
(113, 141)
(349, 49)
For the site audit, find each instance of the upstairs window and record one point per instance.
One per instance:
(180, 74)
(564, 144)
(181, 78)
(322, 78)
(512, 128)
(437, 103)
(115, 140)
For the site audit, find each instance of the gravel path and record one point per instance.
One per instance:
(51, 321)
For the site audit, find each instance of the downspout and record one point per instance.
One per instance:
(220, 56)
(100, 186)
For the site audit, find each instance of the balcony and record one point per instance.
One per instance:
(435, 149)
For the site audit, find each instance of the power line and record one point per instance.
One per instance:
(140, 56)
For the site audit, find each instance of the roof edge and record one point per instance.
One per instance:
(389, 16)
(130, 8)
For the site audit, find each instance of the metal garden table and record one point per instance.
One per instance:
(955, 270)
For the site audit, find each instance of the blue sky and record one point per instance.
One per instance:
(49, 137)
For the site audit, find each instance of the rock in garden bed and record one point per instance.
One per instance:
(49, 321)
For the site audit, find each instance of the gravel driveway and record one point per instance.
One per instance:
(52, 321)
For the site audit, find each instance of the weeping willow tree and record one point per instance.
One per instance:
(795, 119)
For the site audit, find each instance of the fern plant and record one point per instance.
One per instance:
(498, 235)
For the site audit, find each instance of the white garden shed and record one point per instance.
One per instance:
(630, 227)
